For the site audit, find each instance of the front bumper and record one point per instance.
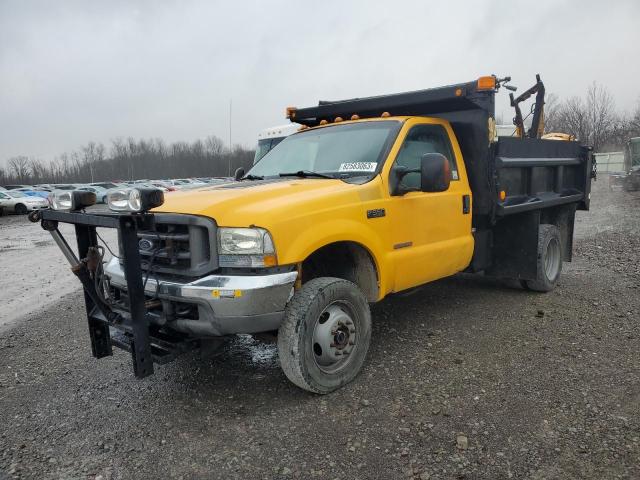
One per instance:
(227, 304)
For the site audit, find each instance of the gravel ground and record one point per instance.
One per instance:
(466, 378)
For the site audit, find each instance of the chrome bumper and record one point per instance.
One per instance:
(226, 304)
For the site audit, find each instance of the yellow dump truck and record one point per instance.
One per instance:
(372, 196)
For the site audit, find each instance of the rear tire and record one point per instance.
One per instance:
(20, 209)
(324, 338)
(549, 259)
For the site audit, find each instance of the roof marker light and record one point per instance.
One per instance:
(385, 114)
(486, 83)
(355, 117)
(290, 112)
(323, 122)
(338, 120)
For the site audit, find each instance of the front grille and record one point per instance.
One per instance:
(179, 244)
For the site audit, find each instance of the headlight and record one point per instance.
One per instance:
(245, 247)
(72, 199)
(134, 199)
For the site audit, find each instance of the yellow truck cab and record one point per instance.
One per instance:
(371, 196)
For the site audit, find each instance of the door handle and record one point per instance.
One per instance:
(466, 204)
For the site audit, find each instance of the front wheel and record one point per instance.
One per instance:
(325, 335)
(20, 209)
(549, 259)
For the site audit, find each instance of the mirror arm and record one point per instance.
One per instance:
(399, 172)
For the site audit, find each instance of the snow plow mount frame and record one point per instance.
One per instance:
(130, 329)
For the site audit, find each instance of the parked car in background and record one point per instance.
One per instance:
(161, 186)
(18, 202)
(101, 192)
(165, 184)
(13, 187)
(33, 192)
(106, 185)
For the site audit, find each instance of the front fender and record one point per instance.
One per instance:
(304, 243)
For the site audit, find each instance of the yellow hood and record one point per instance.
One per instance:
(261, 202)
(302, 215)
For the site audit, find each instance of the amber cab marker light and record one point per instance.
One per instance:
(503, 195)
(355, 117)
(385, 114)
(487, 83)
(338, 120)
(323, 122)
(458, 92)
(291, 112)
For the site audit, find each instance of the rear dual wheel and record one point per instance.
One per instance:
(325, 335)
(549, 260)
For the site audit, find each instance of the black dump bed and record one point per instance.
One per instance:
(533, 173)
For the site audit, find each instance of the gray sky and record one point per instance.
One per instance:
(75, 71)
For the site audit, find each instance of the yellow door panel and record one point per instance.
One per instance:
(430, 235)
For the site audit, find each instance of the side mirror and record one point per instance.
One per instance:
(435, 173)
(239, 174)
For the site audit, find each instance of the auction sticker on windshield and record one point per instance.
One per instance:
(358, 167)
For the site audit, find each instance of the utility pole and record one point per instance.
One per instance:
(230, 148)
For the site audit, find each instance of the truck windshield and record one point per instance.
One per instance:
(264, 146)
(351, 149)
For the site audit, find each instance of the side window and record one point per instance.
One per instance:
(3, 196)
(420, 140)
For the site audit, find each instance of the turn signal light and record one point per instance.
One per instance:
(487, 83)
(503, 195)
(291, 112)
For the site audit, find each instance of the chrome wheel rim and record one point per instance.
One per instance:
(334, 337)
(552, 259)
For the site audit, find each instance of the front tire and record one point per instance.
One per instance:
(325, 335)
(549, 259)
(20, 209)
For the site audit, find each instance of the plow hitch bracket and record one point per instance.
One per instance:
(102, 316)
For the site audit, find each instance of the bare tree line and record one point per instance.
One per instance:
(130, 159)
(594, 119)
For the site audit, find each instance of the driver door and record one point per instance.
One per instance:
(431, 231)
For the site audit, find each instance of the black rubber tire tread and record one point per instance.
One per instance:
(311, 299)
(20, 209)
(542, 283)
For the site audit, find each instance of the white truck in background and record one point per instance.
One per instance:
(272, 136)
